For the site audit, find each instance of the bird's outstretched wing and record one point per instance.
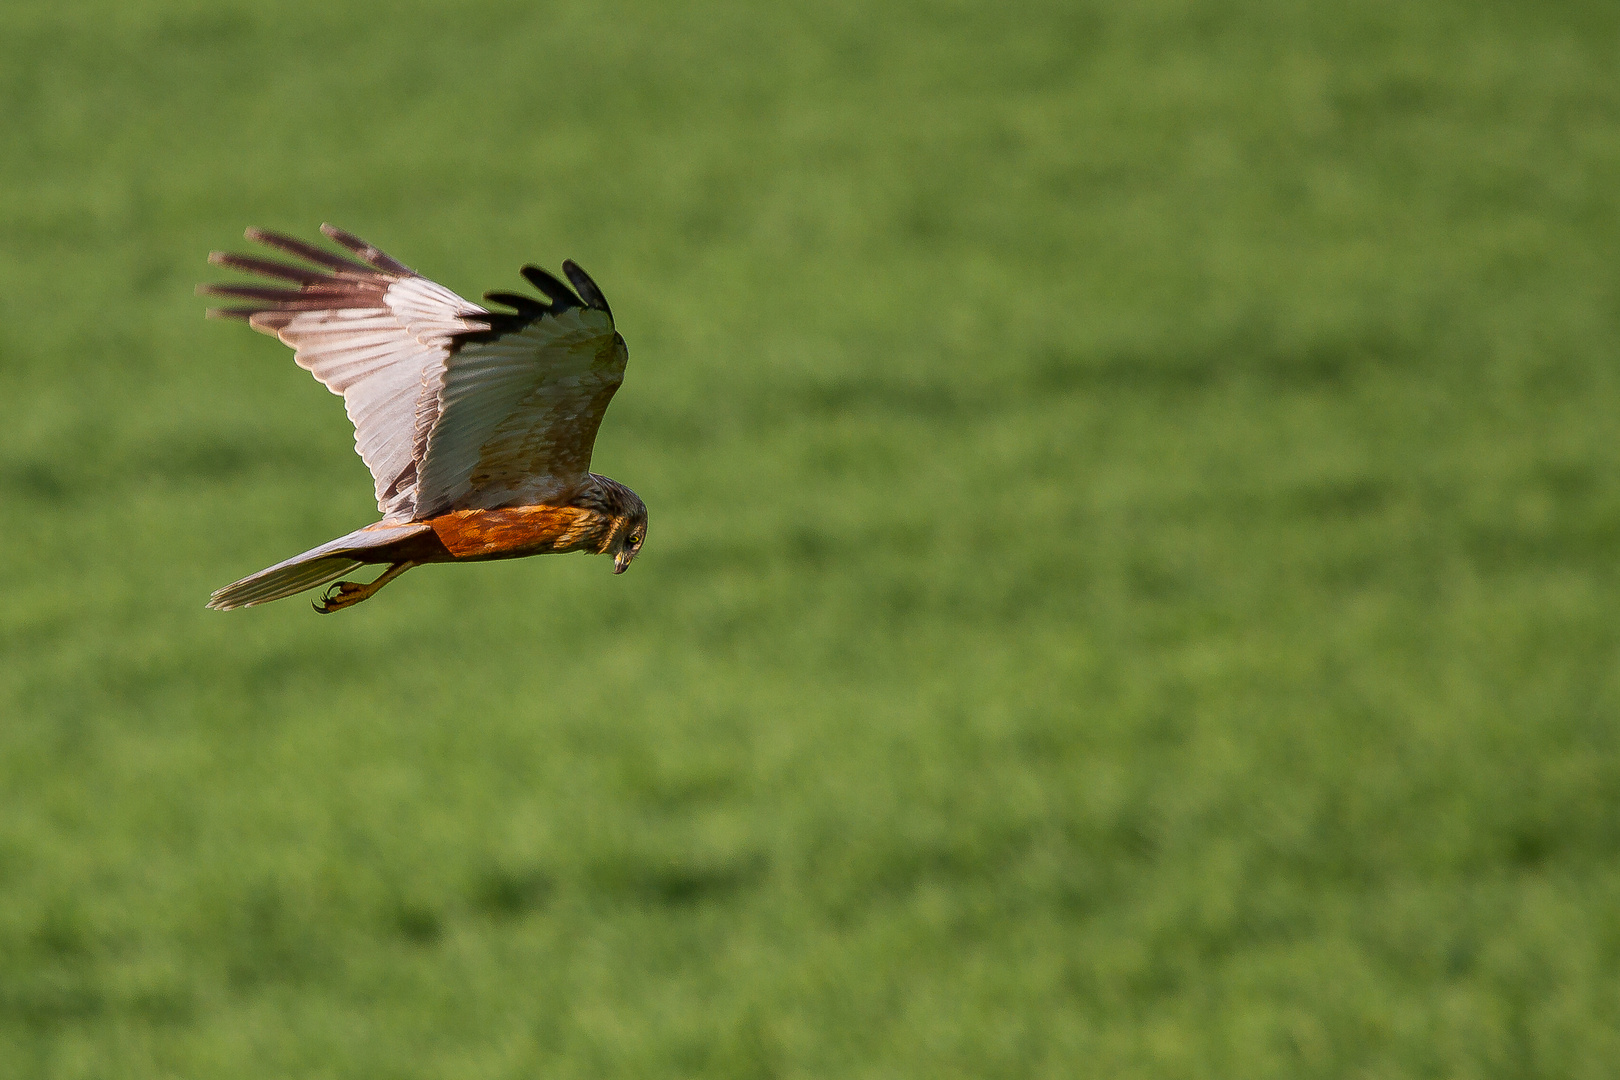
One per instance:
(377, 333)
(521, 401)
(453, 406)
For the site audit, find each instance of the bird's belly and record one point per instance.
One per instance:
(513, 532)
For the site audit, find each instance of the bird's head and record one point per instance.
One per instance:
(628, 538)
(619, 520)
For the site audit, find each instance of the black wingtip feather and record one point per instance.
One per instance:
(524, 305)
(587, 288)
(561, 295)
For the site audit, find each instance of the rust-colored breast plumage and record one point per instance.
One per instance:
(515, 531)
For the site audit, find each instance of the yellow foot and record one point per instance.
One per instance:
(349, 593)
(341, 595)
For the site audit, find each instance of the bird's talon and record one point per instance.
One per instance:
(334, 598)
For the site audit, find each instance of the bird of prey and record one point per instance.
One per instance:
(477, 425)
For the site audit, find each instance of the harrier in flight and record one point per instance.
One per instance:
(477, 425)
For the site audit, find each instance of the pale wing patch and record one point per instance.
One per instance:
(431, 311)
(387, 363)
(519, 413)
(380, 368)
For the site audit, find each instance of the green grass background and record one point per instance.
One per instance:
(1131, 590)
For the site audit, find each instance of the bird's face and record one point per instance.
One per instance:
(629, 543)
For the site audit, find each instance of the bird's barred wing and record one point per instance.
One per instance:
(374, 331)
(521, 399)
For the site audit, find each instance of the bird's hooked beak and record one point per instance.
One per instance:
(629, 544)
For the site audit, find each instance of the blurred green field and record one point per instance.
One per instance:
(1131, 589)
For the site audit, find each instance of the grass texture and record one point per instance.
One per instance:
(1131, 589)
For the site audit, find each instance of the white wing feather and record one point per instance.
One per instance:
(383, 361)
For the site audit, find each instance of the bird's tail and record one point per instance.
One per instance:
(314, 567)
(281, 580)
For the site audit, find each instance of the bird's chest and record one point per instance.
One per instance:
(514, 531)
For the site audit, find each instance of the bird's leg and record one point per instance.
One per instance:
(344, 594)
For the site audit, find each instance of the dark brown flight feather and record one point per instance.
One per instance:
(268, 267)
(386, 263)
(308, 252)
(263, 292)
